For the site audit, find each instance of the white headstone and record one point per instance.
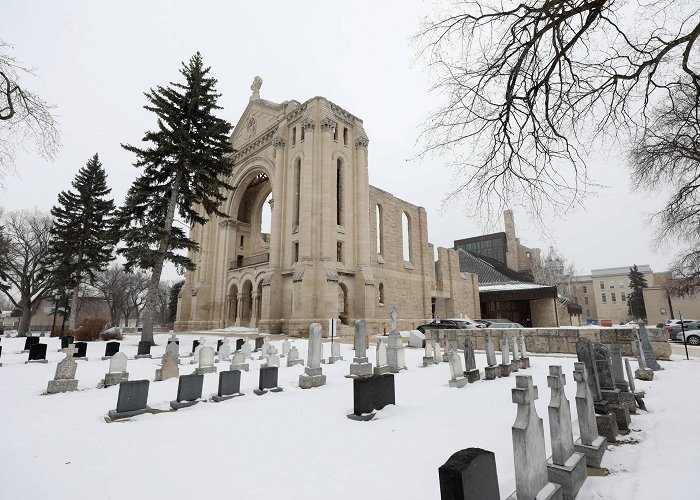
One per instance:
(206, 357)
(585, 408)
(238, 358)
(360, 346)
(505, 350)
(381, 353)
(315, 346)
(247, 349)
(523, 350)
(490, 352)
(516, 356)
(273, 360)
(293, 354)
(456, 370)
(117, 363)
(286, 345)
(224, 351)
(170, 368)
(559, 417)
(437, 352)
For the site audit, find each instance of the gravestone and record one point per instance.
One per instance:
(37, 354)
(0, 354)
(416, 339)
(471, 372)
(293, 357)
(491, 370)
(286, 346)
(239, 362)
(206, 361)
(382, 367)
(590, 443)
(437, 352)
(201, 343)
(643, 372)
(29, 342)
(524, 358)
(647, 350)
(247, 350)
(515, 363)
(505, 357)
(335, 353)
(169, 367)
(273, 359)
(174, 349)
(360, 367)
(224, 353)
(239, 344)
(567, 467)
(111, 348)
(268, 380)
(531, 479)
(313, 374)
(259, 343)
(584, 353)
(638, 395)
(195, 343)
(229, 385)
(173, 338)
(607, 387)
(264, 349)
(219, 343)
(131, 401)
(66, 341)
(64, 380)
(189, 390)
(458, 379)
(428, 359)
(144, 350)
(370, 394)
(395, 351)
(469, 475)
(619, 377)
(117, 370)
(81, 352)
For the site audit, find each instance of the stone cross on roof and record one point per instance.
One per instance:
(524, 392)
(70, 350)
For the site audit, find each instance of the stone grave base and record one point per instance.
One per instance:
(205, 370)
(607, 426)
(593, 453)
(361, 369)
(525, 362)
(551, 491)
(472, 376)
(242, 367)
(445, 358)
(393, 369)
(505, 370)
(638, 399)
(105, 358)
(629, 401)
(459, 382)
(113, 415)
(428, 361)
(646, 374)
(84, 358)
(217, 399)
(380, 370)
(116, 378)
(491, 372)
(601, 407)
(612, 396)
(64, 385)
(307, 381)
(514, 366)
(260, 392)
(36, 361)
(333, 359)
(569, 476)
(292, 362)
(177, 405)
(362, 418)
(140, 356)
(622, 416)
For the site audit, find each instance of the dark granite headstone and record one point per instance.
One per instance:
(29, 342)
(268, 378)
(259, 343)
(144, 348)
(111, 348)
(133, 396)
(219, 343)
(373, 393)
(189, 388)
(195, 343)
(584, 353)
(0, 351)
(647, 350)
(229, 382)
(604, 365)
(66, 341)
(82, 350)
(37, 352)
(239, 343)
(469, 475)
(617, 368)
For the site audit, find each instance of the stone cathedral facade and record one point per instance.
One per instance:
(337, 247)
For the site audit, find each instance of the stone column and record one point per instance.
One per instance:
(239, 310)
(254, 310)
(361, 201)
(277, 188)
(306, 211)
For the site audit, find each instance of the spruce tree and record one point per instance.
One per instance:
(172, 303)
(635, 301)
(184, 167)
(82, 235)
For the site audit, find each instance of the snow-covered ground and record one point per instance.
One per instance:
(299, 443)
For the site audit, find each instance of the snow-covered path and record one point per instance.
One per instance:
(299, 443)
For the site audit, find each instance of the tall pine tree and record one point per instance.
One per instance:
(184, 166)
(635, 301)
(82, 235)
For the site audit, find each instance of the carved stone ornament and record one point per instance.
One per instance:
(328, 125)
(308, 124)
(331, 274)
(362, 141)
(367, 276)
(255, 87)
(299, 273)
(267, 279)
(228, 224)
(278, 142)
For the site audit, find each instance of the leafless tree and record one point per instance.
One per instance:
(24, 270)
(124, 291)
(531, 85)
(555, 270)
(24, 116)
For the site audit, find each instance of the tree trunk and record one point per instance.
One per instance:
(75, 300)
(25, 319)
(149, 305)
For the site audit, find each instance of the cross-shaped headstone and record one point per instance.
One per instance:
(524, 392)
(70, 350)
(556, 378)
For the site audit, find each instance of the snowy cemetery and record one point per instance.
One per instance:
(412, 421)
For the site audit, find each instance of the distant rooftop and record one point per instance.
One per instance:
(614, 271)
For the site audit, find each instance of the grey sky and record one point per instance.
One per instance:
(94, 60)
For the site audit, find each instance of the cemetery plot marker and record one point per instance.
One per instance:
(360, 367)
(37, 353)
(590, 443)
(313, 374)
(189, 391)
(469, 475)
(268, 380)
(117, 370)
(132, 400)
(229, 385)
(64, 380)
(370, 394)
(111, 348)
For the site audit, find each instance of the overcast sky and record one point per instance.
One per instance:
(94, 60)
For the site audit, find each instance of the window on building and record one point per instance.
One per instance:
(585, 300)
(242, 238)
(380, 231)
(345, 136)
(604, 298)
(602, 285)
(295, 252)
(339, 178)
(297, 191)
(585, 289)
(623, 296)
(381, 294)
(611, 284)
(303, 133)
(335, 133)
(613, 299)
(406, 237)
(339, 251)
(294, 136)
(622, 284)
(588, 312)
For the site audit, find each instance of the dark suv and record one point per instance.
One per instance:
(449, 324)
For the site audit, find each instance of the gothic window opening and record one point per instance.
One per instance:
(406, 237)
(303, 133)
(297, 191)
(345, 136)
(339, 251)
(335, 133)
(380, 231)
(381, 294)
(339, 192)
(294, 136)
(295, 252)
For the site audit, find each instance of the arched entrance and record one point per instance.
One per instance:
(232, 306)
(343, 303)
(246, 303)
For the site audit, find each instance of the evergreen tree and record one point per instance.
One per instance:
(82, 235)
(184, 166)
(172, 303)
(635, 301)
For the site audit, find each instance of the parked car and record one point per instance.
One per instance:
(450, 324)
(692, 331)
(499, 323)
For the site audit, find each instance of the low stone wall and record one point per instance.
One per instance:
(556, 340)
